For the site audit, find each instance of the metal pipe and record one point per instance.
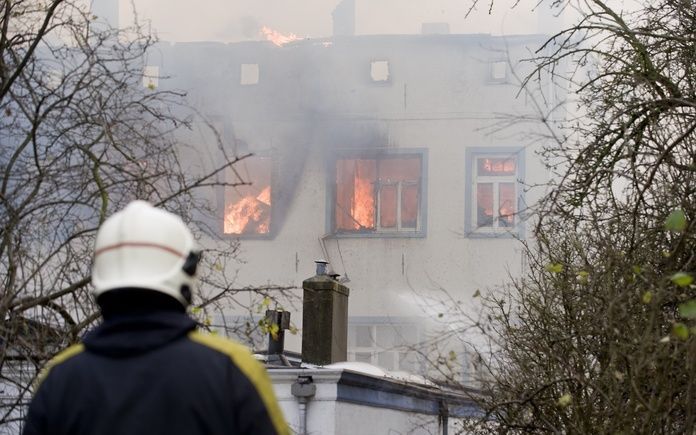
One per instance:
(302, 429)
(443, 416)
(304, 389)
(276, 339)
(321, 266)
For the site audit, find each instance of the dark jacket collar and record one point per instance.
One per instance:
(127, 335)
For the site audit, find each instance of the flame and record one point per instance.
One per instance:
(276, 37)
(503, 166)
(265, 196)
(363, 205)
(249, 215)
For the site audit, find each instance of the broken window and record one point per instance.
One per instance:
(248, 207)
(249, 74)
(379, 71)
(378, 194)
(495, 191)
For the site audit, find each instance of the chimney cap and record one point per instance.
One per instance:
(321, 266)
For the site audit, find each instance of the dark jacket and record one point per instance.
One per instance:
(154, 374)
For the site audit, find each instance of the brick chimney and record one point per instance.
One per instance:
(324, 319)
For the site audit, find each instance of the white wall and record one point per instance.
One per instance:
(328, 414)
(440, 98)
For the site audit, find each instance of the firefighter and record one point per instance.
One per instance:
(146, 369)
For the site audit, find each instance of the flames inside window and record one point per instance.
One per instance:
(495, 192)
(378, 194)
(248, 207)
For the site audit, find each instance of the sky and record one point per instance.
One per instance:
(236, 20)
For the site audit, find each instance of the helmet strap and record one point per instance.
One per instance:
(191, 263)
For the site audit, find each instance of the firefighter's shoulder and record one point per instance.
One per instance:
(251, 368)
(60, 358)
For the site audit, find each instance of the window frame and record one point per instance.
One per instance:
(361, 153)
(151, 76)
(491, 79)
(471, 155)
(388, 81)
(375, 350)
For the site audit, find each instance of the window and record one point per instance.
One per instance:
(249, 74)
(379, 194)
(379, 71)
(494, 191)
(498, 71)
(247, 208)
(15, 374)
(387, 345)
(151, 77)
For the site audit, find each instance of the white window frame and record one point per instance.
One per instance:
(395, 353)
(471, 226)
(151, 76)
(492, 70)
(377, 67)
(378, 209)
(495, 181)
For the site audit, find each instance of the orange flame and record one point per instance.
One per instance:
(249, 215)
(363, 206)
(265, 196)
(276, 37)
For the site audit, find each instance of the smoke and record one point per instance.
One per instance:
(224, 21)
(377, 87)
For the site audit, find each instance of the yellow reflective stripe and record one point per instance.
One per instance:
(252, 369)
(61, 357)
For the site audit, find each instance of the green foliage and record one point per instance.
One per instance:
(268, 327)
(682, 279)
(564, 401)
(582, 276)
(681, 331)
(554, 268)
(687, 310)
(676, 221)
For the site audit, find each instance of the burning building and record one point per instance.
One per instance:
(380, 154)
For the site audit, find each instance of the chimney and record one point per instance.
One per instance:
(344, 18)
(324, 318)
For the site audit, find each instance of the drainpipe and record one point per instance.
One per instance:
(304, 389)
(443, 416)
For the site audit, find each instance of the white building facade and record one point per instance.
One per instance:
(400, 159)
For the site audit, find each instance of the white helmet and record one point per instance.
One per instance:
(145, 247)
